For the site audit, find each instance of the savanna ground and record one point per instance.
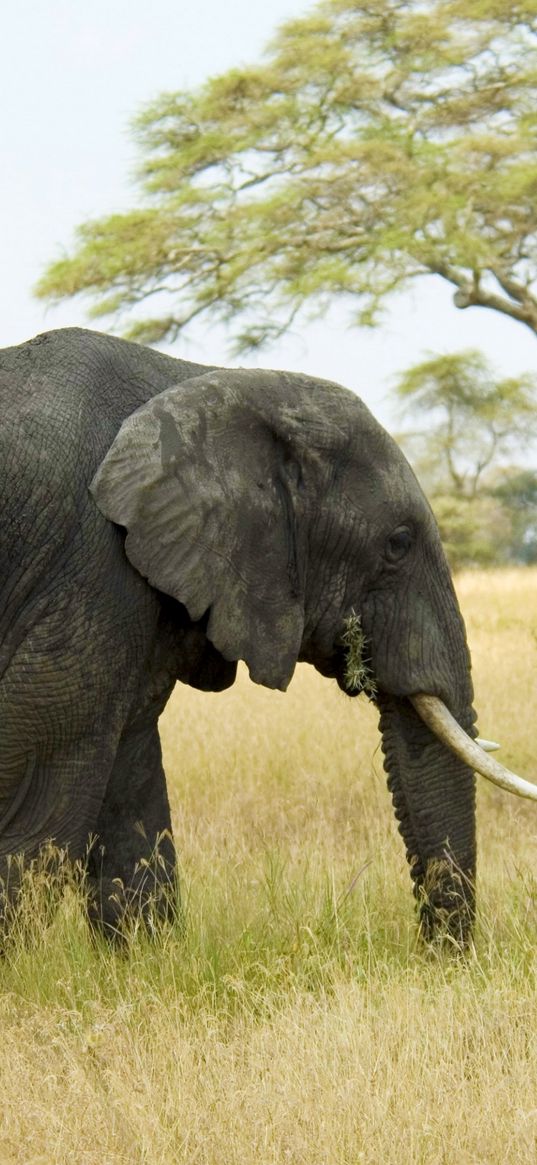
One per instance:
(296, 1019)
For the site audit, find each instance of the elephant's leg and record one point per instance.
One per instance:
(66, 693)
(101, 802)
(49, 810)
(131, 866)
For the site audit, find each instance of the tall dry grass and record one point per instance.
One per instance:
(295, 1019)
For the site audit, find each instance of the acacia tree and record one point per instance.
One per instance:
(377, 142)
(471, 421)
(466, 426)
(516, 489)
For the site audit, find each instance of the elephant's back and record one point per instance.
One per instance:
(63, 398)
(82, 372)
(52, 437)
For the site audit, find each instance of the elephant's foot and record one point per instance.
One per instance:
(117, 908)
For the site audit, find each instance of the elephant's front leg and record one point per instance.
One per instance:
(132, 865)
(434, 800)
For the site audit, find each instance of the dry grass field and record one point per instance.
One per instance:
(296, 1021)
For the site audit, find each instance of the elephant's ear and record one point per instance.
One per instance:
(207, 483)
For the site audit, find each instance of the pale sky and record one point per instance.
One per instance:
(73, 74)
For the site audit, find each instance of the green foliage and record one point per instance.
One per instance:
(376, 143)
(516, 490)
(469, 422)
(472, 419)
(475, 531)
(358, 676)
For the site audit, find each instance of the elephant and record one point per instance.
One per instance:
(162, 520)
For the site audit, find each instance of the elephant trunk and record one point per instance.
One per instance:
(434, 800)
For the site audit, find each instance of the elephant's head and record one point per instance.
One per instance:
(275, 508)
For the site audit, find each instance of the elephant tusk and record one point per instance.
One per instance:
(436, 716)
(487, 745)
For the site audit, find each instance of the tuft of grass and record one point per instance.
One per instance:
(358, 676)
(294, 1018)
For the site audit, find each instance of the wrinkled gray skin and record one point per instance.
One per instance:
(261, 509)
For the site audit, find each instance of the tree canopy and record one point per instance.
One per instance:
(466, 426)
(376, 143)
(471, 420)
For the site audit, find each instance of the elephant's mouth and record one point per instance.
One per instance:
(439, 720)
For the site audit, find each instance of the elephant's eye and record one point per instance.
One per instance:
(398, 544)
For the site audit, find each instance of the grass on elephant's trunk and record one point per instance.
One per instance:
(295, 1019)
